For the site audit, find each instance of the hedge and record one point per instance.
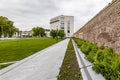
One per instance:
(105, 60)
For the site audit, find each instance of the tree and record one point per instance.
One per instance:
(38, 31)
(42, 31)
(53, 33)
(6, 27)
(17, 32)
(11, 31)
(61, 33)
(3, 21)
(0, 32)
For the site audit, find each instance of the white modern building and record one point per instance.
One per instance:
(26, 34)
(63, 22)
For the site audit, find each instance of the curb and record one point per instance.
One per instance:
(8, 63)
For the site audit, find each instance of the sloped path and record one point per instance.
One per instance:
(43, 65)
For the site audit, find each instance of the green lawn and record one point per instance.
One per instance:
(15, 50)
(3, 66)
(70, 69)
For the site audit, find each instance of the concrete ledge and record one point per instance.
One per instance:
(85, 66)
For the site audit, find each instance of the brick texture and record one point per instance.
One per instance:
(104, 28)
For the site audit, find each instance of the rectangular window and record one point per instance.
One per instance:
(62, 27)
(62, 22)
(62, 18)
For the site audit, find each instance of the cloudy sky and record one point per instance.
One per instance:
(30, 13)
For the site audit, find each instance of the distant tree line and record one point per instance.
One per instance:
(7, 29)
(40, 32)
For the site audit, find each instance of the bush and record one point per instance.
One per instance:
(98, 67)
(92, 53)
(116, 67)
(105, 60)
(79, 42)
(91, 57)
(86, 48)
(99, 55)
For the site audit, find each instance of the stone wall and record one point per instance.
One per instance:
(104, 28)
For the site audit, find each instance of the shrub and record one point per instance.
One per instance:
(79, 42)
(92, 53)
(108, 56)
(97, 67)
(94, 48)
(104, 59)
(90, 57)
(86, 48)
(99, 56)
(116, 67)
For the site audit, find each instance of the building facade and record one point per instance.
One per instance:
(63, 22)
(26, 34)
(47, 32)
(104, 28)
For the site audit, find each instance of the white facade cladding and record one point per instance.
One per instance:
(65, 23)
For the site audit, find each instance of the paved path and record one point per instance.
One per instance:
(43, 65)
(8, 38)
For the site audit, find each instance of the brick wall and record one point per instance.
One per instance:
(104, 28)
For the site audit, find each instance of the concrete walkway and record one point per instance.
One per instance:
(43, 65)
(8, 38)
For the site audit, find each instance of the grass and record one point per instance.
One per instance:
(3, 66)
(15, 50)
(70, 68)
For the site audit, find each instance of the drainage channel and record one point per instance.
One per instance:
(85, 66)
(82, 65)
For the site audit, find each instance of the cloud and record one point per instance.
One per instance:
(30, 13)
